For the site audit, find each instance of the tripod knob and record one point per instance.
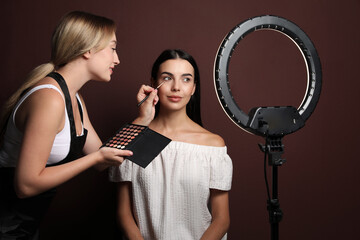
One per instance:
(275, 213)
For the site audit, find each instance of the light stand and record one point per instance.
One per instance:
(272, 123)
(274, 148)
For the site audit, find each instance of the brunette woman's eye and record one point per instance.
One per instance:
(167, 78)
(187, 79)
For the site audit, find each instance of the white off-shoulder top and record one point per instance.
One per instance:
(171, 195)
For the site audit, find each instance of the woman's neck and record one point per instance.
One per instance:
(171, 121)
(74, 76)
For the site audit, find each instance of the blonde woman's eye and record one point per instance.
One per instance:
(114, 49)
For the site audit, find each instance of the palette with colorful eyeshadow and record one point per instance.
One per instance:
(145, 143)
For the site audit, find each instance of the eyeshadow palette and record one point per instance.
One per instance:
(145, 143)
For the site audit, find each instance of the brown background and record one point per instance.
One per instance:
(319, 183)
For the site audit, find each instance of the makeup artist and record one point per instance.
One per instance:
(46, 135)
(184, 190)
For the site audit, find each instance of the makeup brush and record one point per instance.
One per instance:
(149, 94)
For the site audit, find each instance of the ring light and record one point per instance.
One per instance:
(263, 121)
(270, 122)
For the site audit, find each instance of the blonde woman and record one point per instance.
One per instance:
(47, 137)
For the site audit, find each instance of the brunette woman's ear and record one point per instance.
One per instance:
(193, 91)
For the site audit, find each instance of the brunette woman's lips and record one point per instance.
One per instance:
(174, 98)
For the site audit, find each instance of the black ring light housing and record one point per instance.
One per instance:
(270, 122)
(265, 121)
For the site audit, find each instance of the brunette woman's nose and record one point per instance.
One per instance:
(175, 86)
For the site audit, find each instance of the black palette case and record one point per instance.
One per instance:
(145, 143)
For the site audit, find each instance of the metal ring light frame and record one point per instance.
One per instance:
(300, 39)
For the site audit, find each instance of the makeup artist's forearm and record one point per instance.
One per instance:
(145, 121)
(93, 143)
(52, 177)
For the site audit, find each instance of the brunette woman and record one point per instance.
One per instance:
(183, 192)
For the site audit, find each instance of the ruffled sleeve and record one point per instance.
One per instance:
(221, 171)
(122, 173)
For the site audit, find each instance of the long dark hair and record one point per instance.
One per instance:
(193, 106)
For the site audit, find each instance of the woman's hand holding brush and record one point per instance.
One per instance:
(147, 98)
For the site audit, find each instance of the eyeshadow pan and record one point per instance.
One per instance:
(125, 136)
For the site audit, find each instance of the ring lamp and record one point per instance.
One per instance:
(270, 122)
(265, 121)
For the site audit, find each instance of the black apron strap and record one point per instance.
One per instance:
(60, 80)
(77, 142)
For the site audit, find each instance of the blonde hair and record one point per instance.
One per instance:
(76, 33)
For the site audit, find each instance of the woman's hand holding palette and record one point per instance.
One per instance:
(145, 143)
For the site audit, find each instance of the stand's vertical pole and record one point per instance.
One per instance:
(274, 205)
(274, 148)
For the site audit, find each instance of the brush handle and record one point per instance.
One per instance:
(149, 94)
(143, 100)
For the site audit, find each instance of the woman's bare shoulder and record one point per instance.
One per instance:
(205, 137)
(213, 139)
